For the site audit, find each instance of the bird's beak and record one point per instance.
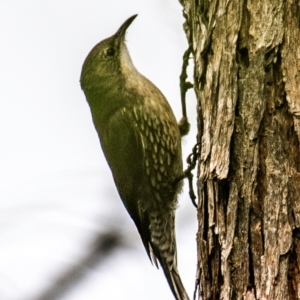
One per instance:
(120, 34)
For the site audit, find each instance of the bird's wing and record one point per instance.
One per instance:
(143, 150)
(123, 147)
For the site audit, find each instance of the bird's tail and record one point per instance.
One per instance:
(175, 284)
(163, 249)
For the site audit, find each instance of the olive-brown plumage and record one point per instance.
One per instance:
(141, 141)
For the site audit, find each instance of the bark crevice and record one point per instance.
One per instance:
(247, 75)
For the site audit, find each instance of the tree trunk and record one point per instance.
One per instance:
(247, 82)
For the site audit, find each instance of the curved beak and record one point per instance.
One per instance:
(120, 34)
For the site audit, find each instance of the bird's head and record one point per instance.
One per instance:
(107, 59)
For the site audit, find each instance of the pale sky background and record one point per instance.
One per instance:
(56, 190)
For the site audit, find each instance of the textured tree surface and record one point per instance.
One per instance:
(247, 82)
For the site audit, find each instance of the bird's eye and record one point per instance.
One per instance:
(110, 51)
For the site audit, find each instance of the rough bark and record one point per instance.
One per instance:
(247, 82)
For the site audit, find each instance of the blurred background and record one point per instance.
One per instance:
(63, 229)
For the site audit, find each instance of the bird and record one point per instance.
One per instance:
(141, 142)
